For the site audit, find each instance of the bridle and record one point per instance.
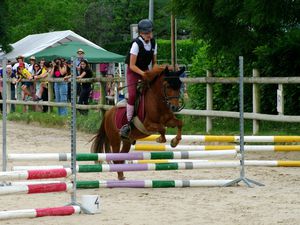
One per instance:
(167, 99)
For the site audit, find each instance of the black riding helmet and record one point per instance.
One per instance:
(145, 26)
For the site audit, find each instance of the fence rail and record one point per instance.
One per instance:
(209, 80)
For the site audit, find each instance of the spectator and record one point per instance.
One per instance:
(109, 90)
(42, 63)
(23, 73)
(11, 74)
(103, 68)
(32, 62)
(37, 71)
(60, 88)
(85, 72)
(69, 66)
(80, 57)
(43, 92)
(20, 59)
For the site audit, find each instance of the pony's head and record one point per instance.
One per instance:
(170, 83)
(171, 89)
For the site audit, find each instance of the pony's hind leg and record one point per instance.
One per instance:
(125, 149)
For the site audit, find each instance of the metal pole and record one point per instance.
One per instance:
(151, 9)
(242, 132)
(173, 45)
(4, 117)
(242, 151)
(73, 130)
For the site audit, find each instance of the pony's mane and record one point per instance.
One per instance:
(156, 70)
(172, 77)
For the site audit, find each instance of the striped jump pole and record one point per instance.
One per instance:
(119, 156)
(36, 188)
(150, 183)
(139, 167)
(213, 138)
(264, 163)
(94, 184)
(248, 148)
(35, 174)
(154, 166)
(40, 212)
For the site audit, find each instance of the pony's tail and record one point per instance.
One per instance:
(99, 140)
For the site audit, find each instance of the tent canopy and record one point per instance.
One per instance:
(32, 44)
(69, 49)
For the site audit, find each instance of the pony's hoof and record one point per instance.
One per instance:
(160, 139)
(174, 142)
(121, 178)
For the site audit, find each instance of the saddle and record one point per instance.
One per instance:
(139, 112)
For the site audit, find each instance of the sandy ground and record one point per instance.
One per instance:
(277, 202)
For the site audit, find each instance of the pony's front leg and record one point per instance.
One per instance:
(156, 127)
(174, 122)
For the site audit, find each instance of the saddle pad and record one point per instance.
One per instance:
(121, 118)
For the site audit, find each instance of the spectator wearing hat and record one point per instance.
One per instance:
(80, 57)
(20, 59)
(32, 62)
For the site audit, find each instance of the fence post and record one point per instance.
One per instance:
(50, 94)
(209, 102)
(8, 91)
(280, 100)
(255, 102)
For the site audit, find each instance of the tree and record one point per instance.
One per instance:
(4, 42)
(23, 18)
(241, 27)
(266, 33)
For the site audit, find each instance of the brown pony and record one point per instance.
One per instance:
(162, 98)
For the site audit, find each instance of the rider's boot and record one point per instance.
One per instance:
(125, 130)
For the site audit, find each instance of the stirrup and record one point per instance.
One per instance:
(125, 131)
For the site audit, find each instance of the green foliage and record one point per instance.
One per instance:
(103, 22)
(265, 32)
(38, 16)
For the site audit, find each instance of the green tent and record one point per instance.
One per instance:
(69, 49)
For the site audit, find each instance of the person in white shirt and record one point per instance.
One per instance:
(20, 59)
(141, 57)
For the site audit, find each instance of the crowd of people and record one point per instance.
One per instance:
(27, 78)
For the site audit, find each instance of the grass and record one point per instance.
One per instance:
(192, 124)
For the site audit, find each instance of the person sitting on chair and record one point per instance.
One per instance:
(142, 54)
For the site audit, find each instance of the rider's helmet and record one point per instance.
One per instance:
(145, 26)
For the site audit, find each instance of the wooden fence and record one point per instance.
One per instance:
(209, 113)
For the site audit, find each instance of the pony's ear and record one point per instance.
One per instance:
(181, 71)
(166, 71)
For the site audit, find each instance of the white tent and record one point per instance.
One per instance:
(35, 43)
